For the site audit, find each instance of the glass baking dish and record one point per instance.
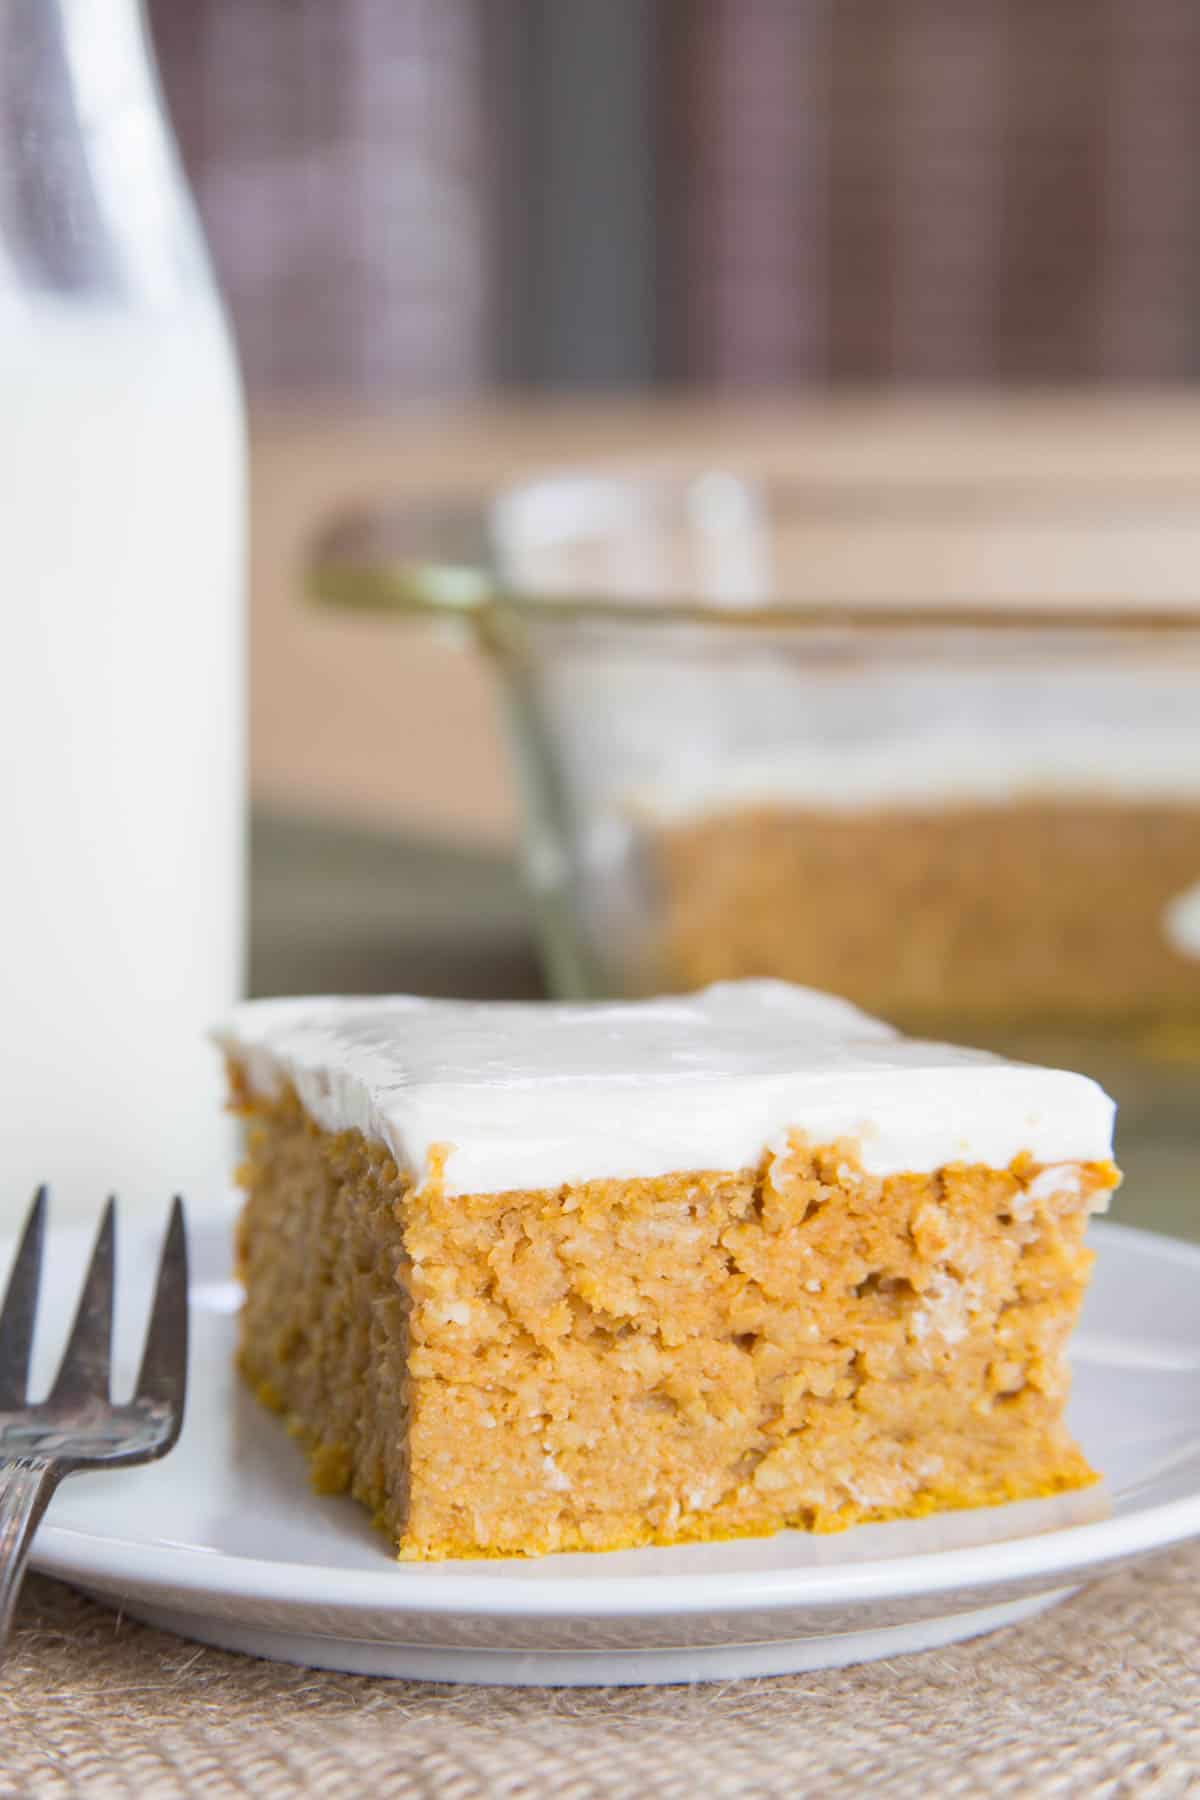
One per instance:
(936, 749)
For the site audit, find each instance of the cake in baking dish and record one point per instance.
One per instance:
(540, 1277)
(945, 878)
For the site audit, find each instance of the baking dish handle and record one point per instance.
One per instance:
(428, 561)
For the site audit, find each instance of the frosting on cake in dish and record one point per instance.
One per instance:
(941, 767)
(531, 1095)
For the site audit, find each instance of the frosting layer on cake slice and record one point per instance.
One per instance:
(514, 1095)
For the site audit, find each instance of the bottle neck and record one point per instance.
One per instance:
(92, 203)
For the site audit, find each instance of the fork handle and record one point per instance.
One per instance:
(26, 1485)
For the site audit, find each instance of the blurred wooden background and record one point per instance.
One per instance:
(922, 189)
(423, 197)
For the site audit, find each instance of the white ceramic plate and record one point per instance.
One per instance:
(224, 1541)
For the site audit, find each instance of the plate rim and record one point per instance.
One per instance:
(1068, 1551)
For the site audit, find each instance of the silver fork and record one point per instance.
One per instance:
(77, 1426)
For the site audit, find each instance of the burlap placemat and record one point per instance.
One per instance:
(1099, 1697)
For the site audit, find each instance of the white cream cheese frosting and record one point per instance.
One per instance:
(941, 767)
(531, 1095)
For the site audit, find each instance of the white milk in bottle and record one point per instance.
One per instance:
(121, 555)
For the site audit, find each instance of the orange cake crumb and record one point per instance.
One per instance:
(699, 1355)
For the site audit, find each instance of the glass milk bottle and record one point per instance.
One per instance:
(121, 570)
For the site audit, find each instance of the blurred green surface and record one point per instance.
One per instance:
(338, 910)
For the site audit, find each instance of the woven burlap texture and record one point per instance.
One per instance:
(1099, 1697)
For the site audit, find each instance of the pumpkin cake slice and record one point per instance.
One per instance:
(541, 1277)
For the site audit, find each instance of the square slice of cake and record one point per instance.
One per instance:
(528, 1277)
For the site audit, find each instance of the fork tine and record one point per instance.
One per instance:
(163, 1374)
(83, 1372)
(20, 1307)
